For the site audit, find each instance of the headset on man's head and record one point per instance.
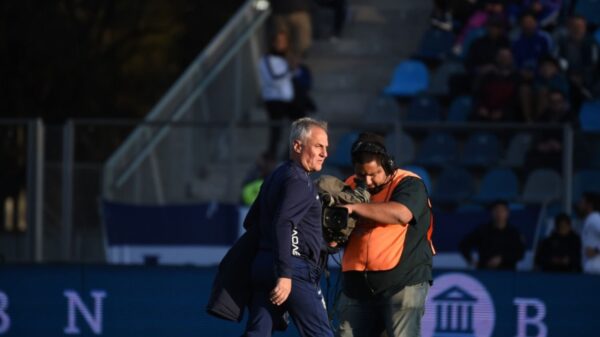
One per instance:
(362, 146)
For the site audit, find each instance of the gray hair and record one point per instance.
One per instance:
(301, 129)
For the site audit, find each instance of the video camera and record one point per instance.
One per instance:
(337, 223)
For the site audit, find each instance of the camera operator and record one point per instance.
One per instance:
(388, 257)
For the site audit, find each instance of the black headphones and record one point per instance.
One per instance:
(387, 161)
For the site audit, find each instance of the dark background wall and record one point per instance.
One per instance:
(102, 58)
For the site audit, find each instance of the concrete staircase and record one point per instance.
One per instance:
(351, 72)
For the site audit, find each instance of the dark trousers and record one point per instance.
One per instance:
(398, 315)
(305, 304)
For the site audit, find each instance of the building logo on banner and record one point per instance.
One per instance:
(458, 305)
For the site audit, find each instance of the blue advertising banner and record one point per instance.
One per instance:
(87, 300)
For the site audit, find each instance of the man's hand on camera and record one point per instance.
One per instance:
(349, 208)
(282, 290)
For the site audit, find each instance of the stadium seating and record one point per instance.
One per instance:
(542, 186)
(424, 108)
(453, 186)
(460, 109)
(589, 9)
(481, 149)
(585, 181)
(436, 44)
(589, 115)
(410, 78)
(403, 149)
(469, 39)
(421, 172)
(438, 149)
(383, 110)
(341, 156)
(498, 184)
(440, 78)
(517, 150)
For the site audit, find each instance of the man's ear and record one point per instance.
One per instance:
(297, 146)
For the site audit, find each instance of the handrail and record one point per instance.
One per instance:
(185, 80)
(186, 104)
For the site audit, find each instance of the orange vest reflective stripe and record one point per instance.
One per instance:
(377, 246)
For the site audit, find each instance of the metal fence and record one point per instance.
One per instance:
(52, 174)
(219, 89)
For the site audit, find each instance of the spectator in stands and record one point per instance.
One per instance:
(589, 209)
(277, 88)
(534, 96)
(496, 91)
(546, 11)
(483, 51)
(264, 165)
(547, 147)
(499, 245)
(578, 53)
(302, 81)
(441, 15)
(491, 8)
(530, 46)
(561, 251)
(340, 10)
(293, 18)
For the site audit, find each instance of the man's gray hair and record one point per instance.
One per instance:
(301, 129)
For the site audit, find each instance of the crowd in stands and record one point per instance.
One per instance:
(521, 55)
(528, 62)
(525, 62)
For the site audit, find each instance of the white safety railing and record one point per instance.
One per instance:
(220, 86)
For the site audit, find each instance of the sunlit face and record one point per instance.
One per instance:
(372, 173)
(312, 151)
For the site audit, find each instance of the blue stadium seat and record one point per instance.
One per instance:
(440, 78)
(460, 109)
(589, 116)
(589, 9)
(517, 150)
(481, 149)
(341, 156)
(498, 184)
(410, 78)
(382, 109)
(585, 181)
(424, 108)
(454, 185)
(473, 35)
(542, 186)
(597, 36)
(421, 172)
(438, 149)
(403, 148)
(436, 44)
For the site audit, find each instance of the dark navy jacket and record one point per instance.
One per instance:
(288, 212)
(286, 198)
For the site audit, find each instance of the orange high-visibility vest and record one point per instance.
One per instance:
(377, 246)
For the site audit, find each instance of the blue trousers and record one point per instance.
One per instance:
(305, 303)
